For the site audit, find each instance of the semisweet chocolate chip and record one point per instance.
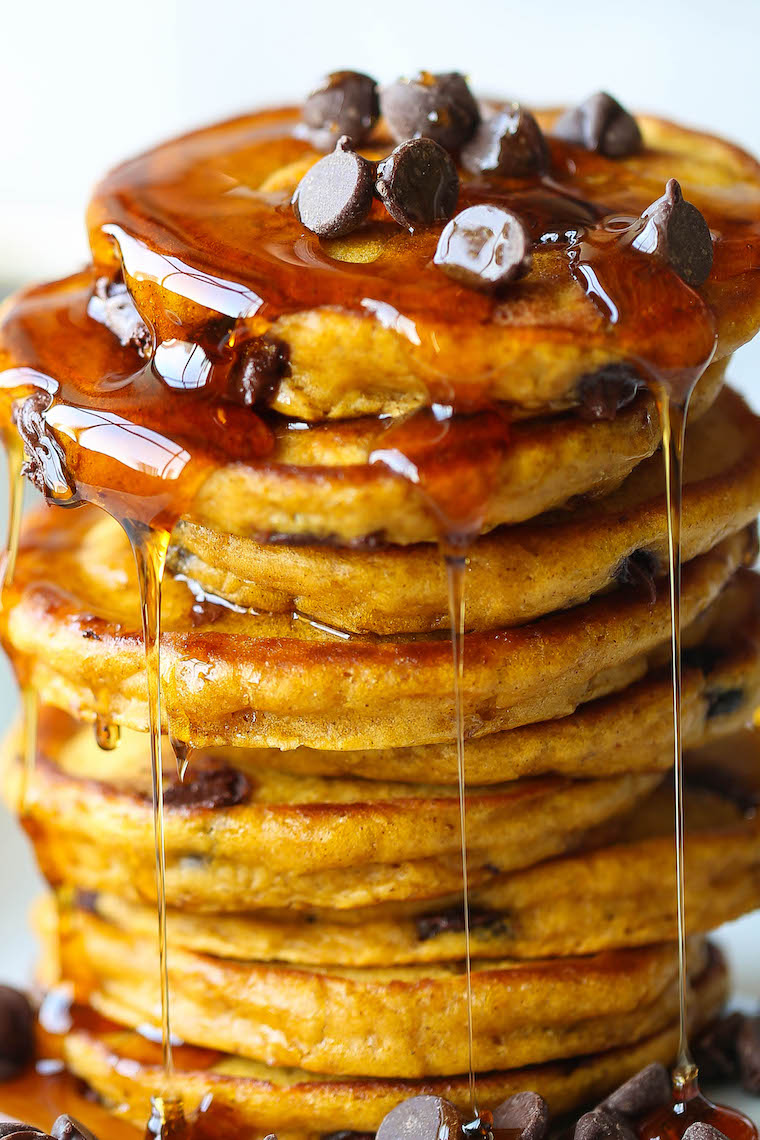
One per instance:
(345, 103)
(715, 1048)
(642, 1093)
(347, 1134)
(335, 196)
(69, 1128)
(723, 702)
(601, 1125)
(111, 305)
(10, 1128)
(526, 1113)
(258, 370)
(639, 570)
(421, 1118)
(703, 657)
(600, 124)
(418, 184)
(451, 921)
(605, 392)
(676, 231)
(214, 788)
(438, 107)
(484, 248)
(748, 1049)
(510, 143)
(24, 1132)
(16, 1032)
(701, 1131)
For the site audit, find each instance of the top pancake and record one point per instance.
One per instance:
(202, 230)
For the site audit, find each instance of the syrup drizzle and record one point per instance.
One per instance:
(107, 734)
(14, 451)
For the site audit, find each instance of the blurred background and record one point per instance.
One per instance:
(83, 84)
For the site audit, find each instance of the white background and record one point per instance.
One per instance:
(83, 84)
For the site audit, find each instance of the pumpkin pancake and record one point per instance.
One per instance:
(71, 623)
(397, 1021)
(124, 1068)
(515, 574)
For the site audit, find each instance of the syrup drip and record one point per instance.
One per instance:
(107, 734)
(15, 457)
(30, 706)
(183, 754)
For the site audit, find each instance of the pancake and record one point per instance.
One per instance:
(370, 324)
(274, 681)
(515, 574)
(124, 1069)
(397, 1021)
(616, 891)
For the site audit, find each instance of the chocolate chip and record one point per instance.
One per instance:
(703, 657)
(69, 1128)
(728, 785)
(639, 570)
(451, 921)
(421, 1118)
(14, 1128)
(23, 1132)
(715, 1048)
(335, 196)
(600, 124)
(214, 788)
(701, 1131)
(510, 143)
(648, 1089)
(258, 370)
(347, 1134)
(438, 107)
(724, 702)
(484, 247)
(676, 231)
(748, 1049)
(603, 393)
(418, 184)
(345, 103)
(601, 1125)
(16, 1032)
(111, 305)
(526, 1113)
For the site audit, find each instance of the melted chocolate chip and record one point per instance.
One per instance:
(451, 921)
(258, 370)
(602, 394)
(748, 1049)
(601, 1125)
(702, 1131)
(418, 184)
(437, 107)
(421, 1118)
(484, 247)
(16, 1032)
(642, 1093)
(345, 103)
(335, 196)
(703, 657)
(216, 788)
(347, 1134)
(715, 1048)
(640, 570)
(111, 305)
(45, 464)
(676, 231)
(69, 1128)
(526, 1113)
(724, 702)
(510, 143)
(600, 124)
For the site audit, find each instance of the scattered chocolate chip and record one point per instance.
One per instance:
(701, 1131)
(724, 702)
(451, 921)
(421, 1118)
(45, 463)
(111, 305)
(335, 196)
(69, 1128)
(640, 570)
(510, 143)
(676, 231)
(526, 1113)
(437, 107)
(418, 184)
(347, 1134)
(23, 1132)
(16, 1032)
(484, 247)
(214, 788)
(602, 394)
(345, 103)
(601, 1125)
(258, 370)
(647, 1090)
(600, 124)
(748, 1049)
(715, 1048)
(14, 1128)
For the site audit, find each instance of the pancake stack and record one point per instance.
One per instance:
(326, 438)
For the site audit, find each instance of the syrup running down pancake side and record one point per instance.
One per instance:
(216, 265)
